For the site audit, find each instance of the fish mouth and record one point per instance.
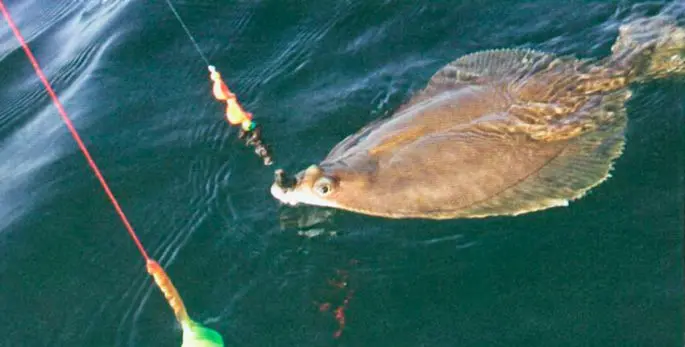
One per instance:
(285, 196)
(283, 188)
(290, 191)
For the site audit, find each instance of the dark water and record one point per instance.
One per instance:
(605, 271)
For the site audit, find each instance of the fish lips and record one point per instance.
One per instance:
(283, 188)
(284, 195)
(291, 191)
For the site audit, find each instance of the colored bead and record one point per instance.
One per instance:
(248, 125)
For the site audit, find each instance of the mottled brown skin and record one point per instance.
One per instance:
(489, 137)
(421, 176)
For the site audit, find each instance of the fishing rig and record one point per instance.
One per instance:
(194, 334)
(250, 131)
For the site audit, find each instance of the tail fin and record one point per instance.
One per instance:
(650, 48)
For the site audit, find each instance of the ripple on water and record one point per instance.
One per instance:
(31, 133)
(33, 19)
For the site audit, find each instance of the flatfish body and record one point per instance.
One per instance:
(499, 132)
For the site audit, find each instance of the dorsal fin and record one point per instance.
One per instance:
(492, 66)
(496, 64)
(543, 92)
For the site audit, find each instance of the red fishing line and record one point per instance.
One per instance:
(193, 333)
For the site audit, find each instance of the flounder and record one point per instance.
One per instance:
(499, 132)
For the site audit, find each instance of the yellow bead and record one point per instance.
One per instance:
(247, 125)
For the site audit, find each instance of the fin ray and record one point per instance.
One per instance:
(585, 163)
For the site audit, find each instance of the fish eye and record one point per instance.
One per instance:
(323, 186)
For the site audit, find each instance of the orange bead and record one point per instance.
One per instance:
(221, 91)
(234, 112)
(219, 88)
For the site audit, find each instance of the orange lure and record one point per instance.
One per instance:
(235, 114)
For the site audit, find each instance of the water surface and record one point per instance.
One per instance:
(605, 271)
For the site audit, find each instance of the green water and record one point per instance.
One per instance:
(605, 271)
